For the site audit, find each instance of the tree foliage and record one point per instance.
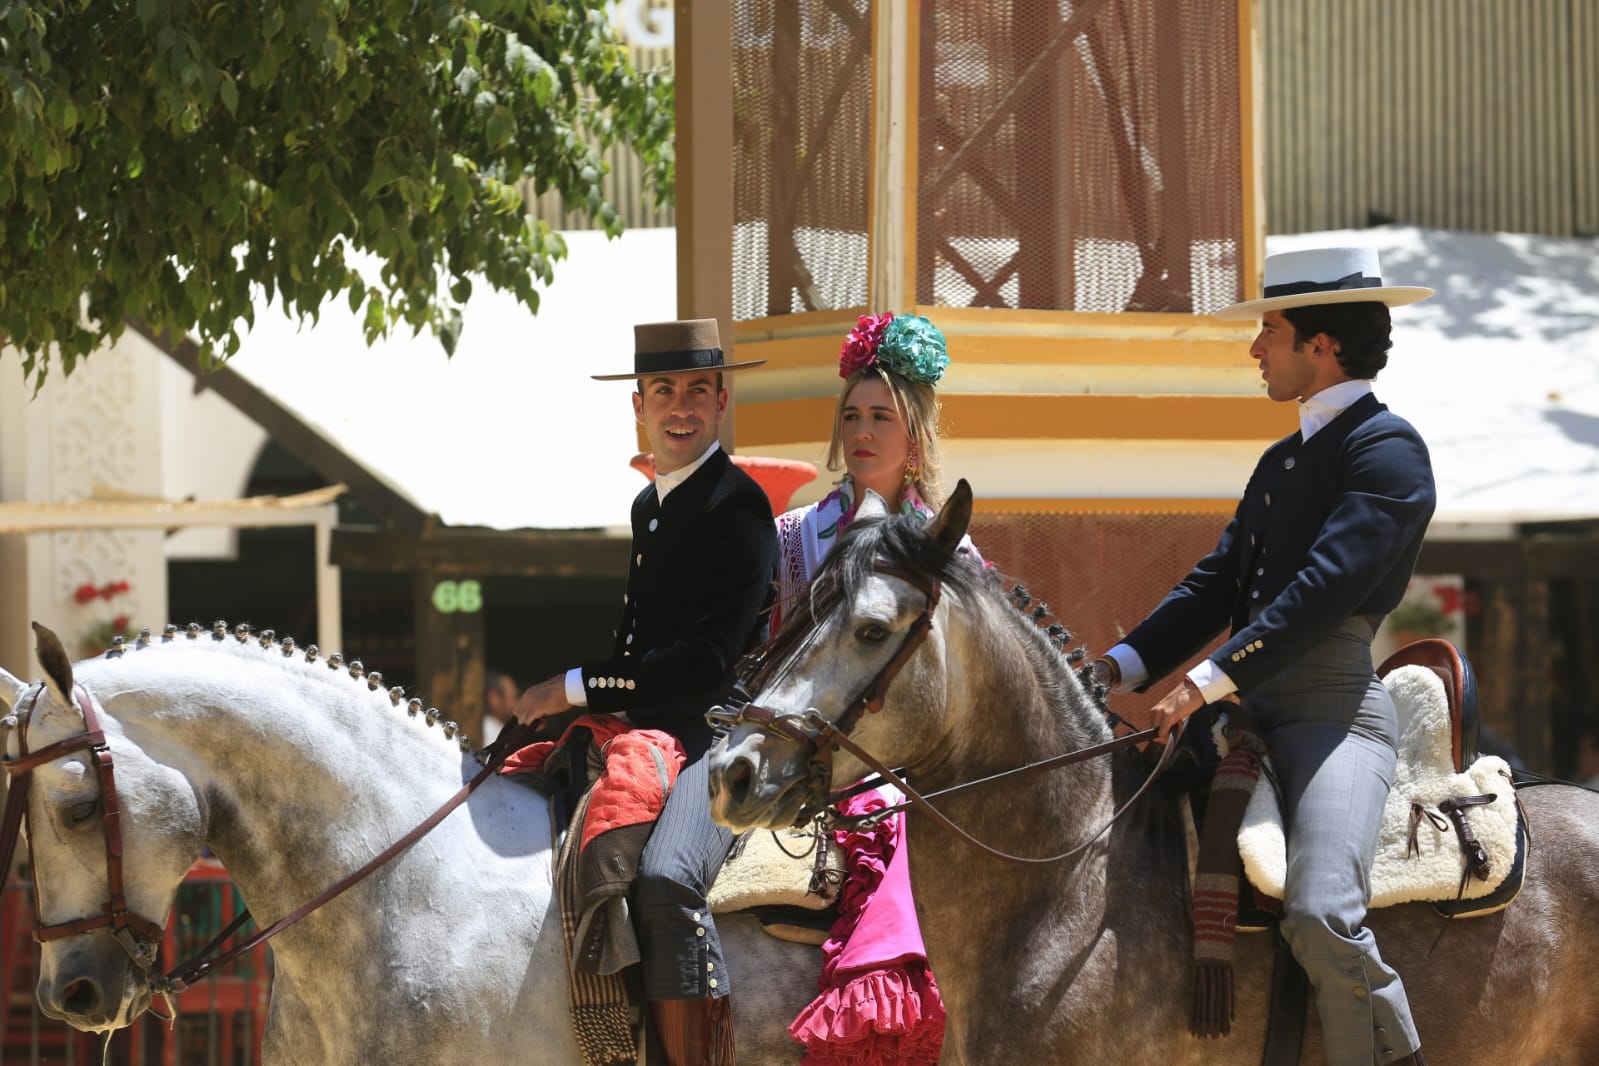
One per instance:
(160, 158)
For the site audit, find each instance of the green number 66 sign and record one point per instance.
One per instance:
(465, 597)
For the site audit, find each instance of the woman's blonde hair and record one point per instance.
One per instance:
(918, 410)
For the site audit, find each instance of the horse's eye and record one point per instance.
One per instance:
(872, 633)
(79, 813)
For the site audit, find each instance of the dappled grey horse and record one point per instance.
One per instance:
(294, 769)
(1088, 959)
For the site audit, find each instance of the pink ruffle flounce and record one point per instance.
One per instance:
(879, 1003)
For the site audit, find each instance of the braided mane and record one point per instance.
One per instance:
(219, 635)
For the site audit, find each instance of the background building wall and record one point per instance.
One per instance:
(1459, 114)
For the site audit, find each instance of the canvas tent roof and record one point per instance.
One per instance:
(510, 433)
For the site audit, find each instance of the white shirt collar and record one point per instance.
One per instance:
(1316, 411)
(665, 483)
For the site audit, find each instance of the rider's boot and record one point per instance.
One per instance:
(694, 1032)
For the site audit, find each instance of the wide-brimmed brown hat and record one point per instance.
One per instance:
(676, 348)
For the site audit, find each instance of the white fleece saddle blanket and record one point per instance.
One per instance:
(1425, 776)
(781, 868)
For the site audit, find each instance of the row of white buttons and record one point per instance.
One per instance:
(610, 682)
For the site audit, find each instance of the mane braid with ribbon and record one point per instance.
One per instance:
(310, 656)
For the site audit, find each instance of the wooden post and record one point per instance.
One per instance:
(1513, 667)
(703, 62)
(449, 648)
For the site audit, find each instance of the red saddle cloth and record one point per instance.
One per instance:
(640, 768)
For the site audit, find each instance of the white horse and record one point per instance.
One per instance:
(294, 773)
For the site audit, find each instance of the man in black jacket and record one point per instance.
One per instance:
(704, 558)
(1319, 550)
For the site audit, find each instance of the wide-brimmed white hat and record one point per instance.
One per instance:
(1324, 276)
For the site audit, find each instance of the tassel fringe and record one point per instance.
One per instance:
(1214, 1006)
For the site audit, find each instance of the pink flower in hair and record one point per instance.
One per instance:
(860, 347)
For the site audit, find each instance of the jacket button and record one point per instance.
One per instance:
(1268, 499)
(638, 560)
(653, 523)
(1288, 463)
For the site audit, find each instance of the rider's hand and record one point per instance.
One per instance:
(1175, 706)
(542, 700)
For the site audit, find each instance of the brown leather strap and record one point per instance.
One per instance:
(920, 802)
(115, 913)
(185, 974)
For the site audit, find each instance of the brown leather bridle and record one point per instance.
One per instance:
(138, 936)
(821, 737)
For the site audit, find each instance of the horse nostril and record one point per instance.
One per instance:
(736, 781)
(82, 997)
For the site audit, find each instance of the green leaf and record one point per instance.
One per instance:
(450, 331)
(228, 93)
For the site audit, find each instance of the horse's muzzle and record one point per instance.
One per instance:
(753, 789)
(92, 986)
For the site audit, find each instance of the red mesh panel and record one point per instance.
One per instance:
(1100, 574)
(1079, 155)
(801, 155)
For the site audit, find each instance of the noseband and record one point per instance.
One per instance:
(137, 935)
(821, 737)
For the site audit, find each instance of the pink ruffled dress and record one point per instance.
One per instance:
(879, 1003)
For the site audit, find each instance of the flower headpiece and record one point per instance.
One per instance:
(908, 345)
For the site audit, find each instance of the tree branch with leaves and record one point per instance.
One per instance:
(166, 160)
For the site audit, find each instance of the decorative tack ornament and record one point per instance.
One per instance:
(908, 345)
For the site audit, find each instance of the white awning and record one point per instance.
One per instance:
(511, 433)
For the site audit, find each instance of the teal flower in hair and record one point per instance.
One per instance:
(913, 348)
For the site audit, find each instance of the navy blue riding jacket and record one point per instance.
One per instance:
(1327, 528)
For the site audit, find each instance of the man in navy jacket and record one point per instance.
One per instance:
(1319, 549)
(700, 580)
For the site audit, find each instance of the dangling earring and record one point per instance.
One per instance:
(912, 470)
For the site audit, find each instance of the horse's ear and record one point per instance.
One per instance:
(872, 506)
(57, 666)
(12, 691)
(949, 526)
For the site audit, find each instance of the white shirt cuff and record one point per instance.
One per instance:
(1134, 672)
(574, 688)
(1212, 681)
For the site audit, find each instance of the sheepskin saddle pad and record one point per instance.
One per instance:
(1423, 853)
(789, 878)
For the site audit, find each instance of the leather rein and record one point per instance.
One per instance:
(821, 737)
(140, 937)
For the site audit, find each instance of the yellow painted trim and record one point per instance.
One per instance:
(805, 324)
(821, 350)
(963, 322)
(1052, 417)
(1251, 123)
(913, 124)
(874, 93)
(1154, 324)
(1118, 505)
